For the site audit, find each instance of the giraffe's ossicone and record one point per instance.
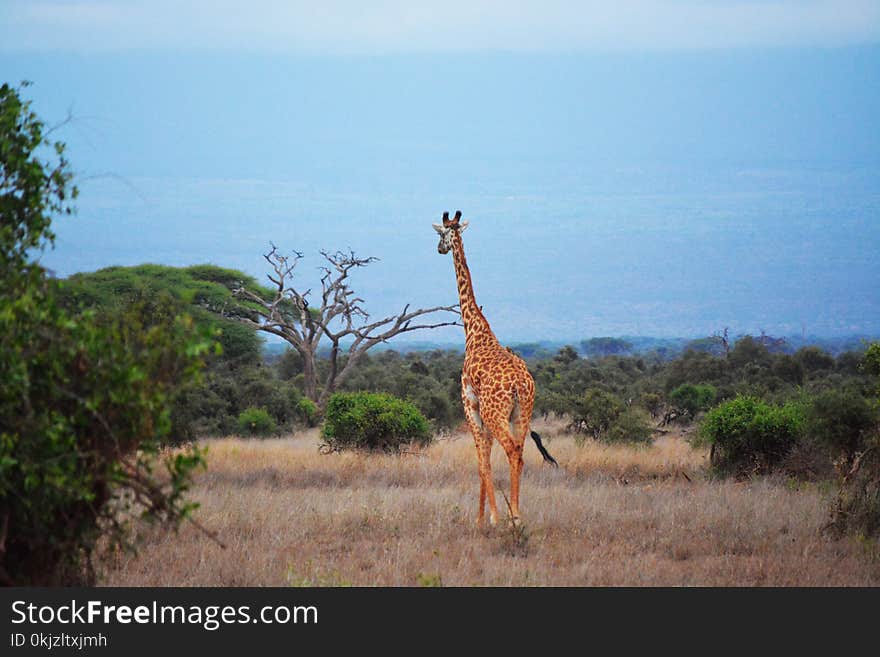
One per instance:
(497, 390)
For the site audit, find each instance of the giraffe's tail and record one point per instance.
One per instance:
(547, 458)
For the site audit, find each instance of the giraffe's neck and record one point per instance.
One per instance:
(476, 327)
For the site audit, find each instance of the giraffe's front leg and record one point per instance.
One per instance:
(483, 442)
(487, 488)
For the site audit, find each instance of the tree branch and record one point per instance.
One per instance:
(342, 315)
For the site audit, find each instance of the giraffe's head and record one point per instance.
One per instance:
(448, 229)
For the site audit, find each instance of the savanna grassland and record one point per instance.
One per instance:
(609, 515)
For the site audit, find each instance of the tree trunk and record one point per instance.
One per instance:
(310, 376)
(336, 378)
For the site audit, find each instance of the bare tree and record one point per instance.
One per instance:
(774, 345)
(338, 315)
(723, 339)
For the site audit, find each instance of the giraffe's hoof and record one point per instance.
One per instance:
(515, 522)
(493, 521)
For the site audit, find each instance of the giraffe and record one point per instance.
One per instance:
(497, 391)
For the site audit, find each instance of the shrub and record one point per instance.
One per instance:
(747, 350)
(748, 435)
(435, 404)
(631, 426)
(841, 420)
(789, 369)
(375, 421)
(256, 422)
(871, 362)
(813, 359)
(595, 412)
(307, 410)
(652, 402)
(85, 400)
(857, 507)
(691, 399)
(552, 403)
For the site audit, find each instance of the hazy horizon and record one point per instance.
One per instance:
(627, 188)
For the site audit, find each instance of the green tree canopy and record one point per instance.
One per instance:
(691, 399)
(748, 350)
(813, 359)
(605, 346)
(202, 291)
(713, 344)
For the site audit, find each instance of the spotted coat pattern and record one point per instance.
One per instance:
(497, 391)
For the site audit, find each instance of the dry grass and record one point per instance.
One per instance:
(608, 516)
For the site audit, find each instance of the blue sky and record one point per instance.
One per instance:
(656, 168)
(391, 26)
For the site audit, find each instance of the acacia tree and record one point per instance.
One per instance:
(337, 314)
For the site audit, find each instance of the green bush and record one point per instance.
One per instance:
(871, 362)
(375, 421)
(308, 412)
(552, 403)
(841, 420)
(692, 399)
(748, 435)
(631, 426)
(256, 422)
(814, 359)
(789, 369)
(652, 402)
(85, 400)
(857, 507)
(595, 412)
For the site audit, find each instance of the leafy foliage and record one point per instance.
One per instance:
(813, 359)
(595, 412)
(256, 422)
(748, 351)
(32, 189)
(631, 426)
(842, 420)
(599, 347)
(857, 507)
(237, 377)
(199, 291)
(713, 345)
(748, 435)
(308, 411)
(374, 421)
(430, 380)
(86, 398)
(691, 399)
(871, 362)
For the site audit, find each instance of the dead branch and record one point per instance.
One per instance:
(339, 316)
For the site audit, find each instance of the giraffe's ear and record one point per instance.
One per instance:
(463, 225)
(438, 228)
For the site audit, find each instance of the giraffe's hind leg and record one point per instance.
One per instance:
(520, 420)
(500, 427)
(487, 488)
